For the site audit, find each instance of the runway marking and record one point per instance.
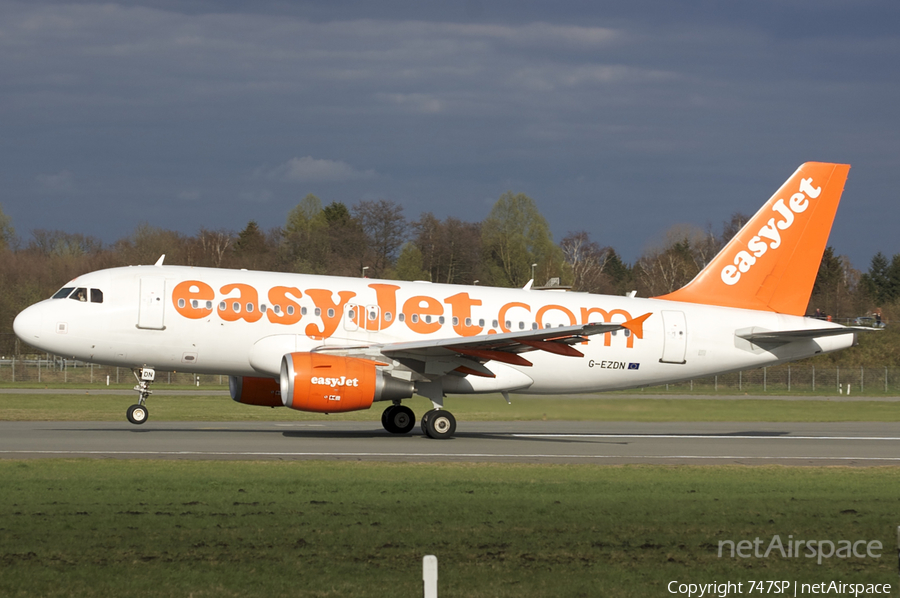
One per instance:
(444, 455)
(707, 436)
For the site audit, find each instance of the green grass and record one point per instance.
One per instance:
(68, 407)
(158, 528)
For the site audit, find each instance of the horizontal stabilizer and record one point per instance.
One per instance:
(788, 336)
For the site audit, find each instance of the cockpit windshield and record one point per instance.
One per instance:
(63, 292)
(80, 294)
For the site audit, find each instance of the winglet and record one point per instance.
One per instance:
(636, 325)
(771, 264)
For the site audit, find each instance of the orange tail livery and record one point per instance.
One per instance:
(771, 264)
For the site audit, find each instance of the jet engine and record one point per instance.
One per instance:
(333, 384)
(265, 392)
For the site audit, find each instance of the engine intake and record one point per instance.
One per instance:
(334, 384)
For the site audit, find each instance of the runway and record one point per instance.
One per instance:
(606, 443)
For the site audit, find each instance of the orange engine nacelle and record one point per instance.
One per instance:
(332, 384)
(265, 392)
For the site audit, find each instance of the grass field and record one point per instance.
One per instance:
(55, 407)
(96, 528)
(124, 528)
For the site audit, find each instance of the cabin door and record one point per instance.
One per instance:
(151, 310)
(674, 337)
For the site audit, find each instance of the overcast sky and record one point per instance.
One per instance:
(618, 118)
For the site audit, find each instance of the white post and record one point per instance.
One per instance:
(107, 379)
(430, 575)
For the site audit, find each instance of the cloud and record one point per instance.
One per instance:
(417, 102)
(56, 183)
(191, 195)
(312, 170)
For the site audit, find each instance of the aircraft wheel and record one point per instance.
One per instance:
(385, 415)
(424, 423)
(399, 419)
(137, 414)
(440, 424)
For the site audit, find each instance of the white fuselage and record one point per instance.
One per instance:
(241, 323)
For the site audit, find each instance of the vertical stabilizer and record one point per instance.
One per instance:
(771, 264)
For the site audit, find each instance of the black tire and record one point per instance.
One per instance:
(400, 419)
(385, 416)
(440, 424)
(137, 414)
(424, 422)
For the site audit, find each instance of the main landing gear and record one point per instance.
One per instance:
(437, 423)
(138, 414)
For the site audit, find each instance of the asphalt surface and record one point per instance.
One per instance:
(162, 392)
(815, 444)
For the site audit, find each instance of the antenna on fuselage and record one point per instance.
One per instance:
(159, 262)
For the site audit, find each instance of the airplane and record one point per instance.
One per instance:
(334, 344)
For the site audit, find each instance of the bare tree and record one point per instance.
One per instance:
(383, 223)
(587, 260)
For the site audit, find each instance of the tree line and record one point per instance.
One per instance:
(374, 238)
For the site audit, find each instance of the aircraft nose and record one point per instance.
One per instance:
(27, 324)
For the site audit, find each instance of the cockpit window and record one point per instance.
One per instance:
(80, 294)
(63, 292)
(96, 296)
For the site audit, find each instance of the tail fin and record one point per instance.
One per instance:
(771, 264)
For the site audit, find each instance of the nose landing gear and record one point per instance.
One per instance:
(138, 414)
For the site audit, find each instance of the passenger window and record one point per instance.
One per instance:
(80, 294)
(63, 292)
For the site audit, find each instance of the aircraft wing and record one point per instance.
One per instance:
(788, 336)
(467, 355)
